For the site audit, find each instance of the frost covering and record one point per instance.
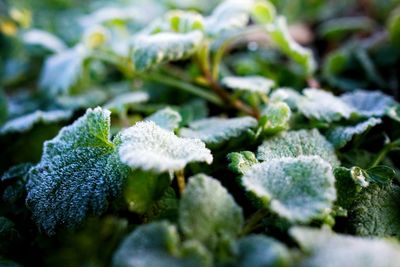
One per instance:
(147, 146)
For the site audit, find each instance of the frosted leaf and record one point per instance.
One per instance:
(26, 122)
(295, 144)
(158, 245)
(44, 39)
(279, 33)
(324, 106)
(208, 212)
(298, 189)
(241, 162)
(77, 175)
(149, 147)
(369, 103)
(166, 118)
(263, 12)
(228, 16)
(278, 115)
(62, 70)
(85, 100)
(336, 250)
(249, 83)
(121, 101)
(214, 131)
(152, 50)
(287, 95)
(341, 135)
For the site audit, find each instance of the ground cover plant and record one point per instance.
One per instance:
(200, 133)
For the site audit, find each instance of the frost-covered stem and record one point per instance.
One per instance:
(254, 221)
(180, 176)
(187, 87)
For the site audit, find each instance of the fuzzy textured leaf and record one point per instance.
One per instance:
(214, 131)
(166, 118)
(298, 189)
(295, 144)
(152, 50)
(78, 173)
(27, 122)
(254, 84)
(158, 245)
(208, 212)
(149, 147)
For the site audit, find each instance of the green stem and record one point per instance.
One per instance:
(386, 149)
(167, 80)
(180, 176)
(254, 221)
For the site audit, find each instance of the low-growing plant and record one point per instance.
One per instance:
(174, 133)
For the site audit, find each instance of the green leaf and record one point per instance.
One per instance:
(44, 39)
(208, 212)
(344, 250)
(3, 106)
(295, 144)
(324, 106)
(166, 118)
(339, 136)
(62, 70)
(176, 21)
(152, 50)
(78, 174)
(241, 162)
(121, 102)
(279, 33)
(27, 122)
(9, 236)
(381, 174)
(287, 95)
(393, 26)
(158, 245)
(375, 211)
(214, 131)
(261, 251)
(369, 103)
(278, 115)
(88, 99)
(297, 189)
(340, 27)
(263, 12)
(143, 189)
(254, 84)
(228, 16)
(394, 113)
(149, 147)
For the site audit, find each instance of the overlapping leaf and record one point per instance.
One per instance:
(166, 118)
(249, 83)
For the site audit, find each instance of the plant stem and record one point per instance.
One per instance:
(254, 221)
(168, 80)
(180, 175)
(386, 149)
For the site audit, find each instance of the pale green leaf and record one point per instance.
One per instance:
(295, 144)
(228, 16)
(323, 106)
(261, 251)
(335, 250)
(62, 70)
(254, 84)
(152, 50)
(208, 212)
(278, 115)
(215, 131)
(263, 12)
(147, 146)
(299, 189)
(166, 118)
(241, 162)
(369, 103)
(89, 99)
(77, 175)
(44, 39)
(341, 135)
(27, 122)
(123, 101)
(287, 95)
(279, 33)
(158, 245)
